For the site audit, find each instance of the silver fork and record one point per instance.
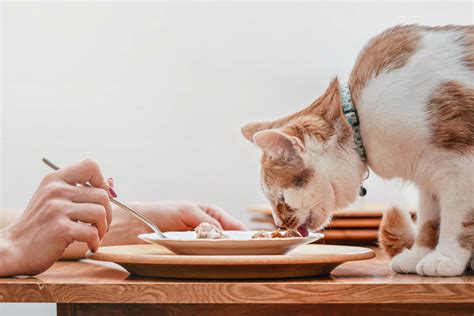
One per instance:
(119, 204)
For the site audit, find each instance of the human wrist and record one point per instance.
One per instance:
(9, 253)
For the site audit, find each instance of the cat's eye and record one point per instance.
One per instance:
(299, 181)
(302, 178)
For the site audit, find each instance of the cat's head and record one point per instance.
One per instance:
(309, 167)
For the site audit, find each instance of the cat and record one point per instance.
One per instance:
(406, 112)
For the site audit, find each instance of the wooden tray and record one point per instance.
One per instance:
(156, 261)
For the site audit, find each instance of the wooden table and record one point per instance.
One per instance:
(365, 288)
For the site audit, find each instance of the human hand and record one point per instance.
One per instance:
(175, 216)
(59, 213)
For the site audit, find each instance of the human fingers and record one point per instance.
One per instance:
(193, 216)
(86, 233)
(85, 171)
(96, 196)
(89, 213)
(110, 181)
(227, 221)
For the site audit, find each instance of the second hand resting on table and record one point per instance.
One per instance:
(63, 219)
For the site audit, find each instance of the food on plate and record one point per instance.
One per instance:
(262, 234)
(276, 234)
(291, 233)
(209, 231)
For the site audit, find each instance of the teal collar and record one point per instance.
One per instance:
(352, 118)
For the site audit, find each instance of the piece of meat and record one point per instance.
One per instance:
(277, 234)
(262, 234)
(209, 231)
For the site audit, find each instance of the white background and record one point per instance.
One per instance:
(157, 92)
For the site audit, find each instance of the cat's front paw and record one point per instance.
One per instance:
(406, 261)
(438, 264)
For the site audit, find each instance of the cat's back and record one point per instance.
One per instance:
(419, 80)
(416, 53)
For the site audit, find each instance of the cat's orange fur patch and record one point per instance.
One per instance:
(387, 51)
(428, 235)
(381, 55)
(318, 119)
(466, 239)
(396, 231)
(281, 170)
(451, 115)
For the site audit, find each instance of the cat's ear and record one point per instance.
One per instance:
(277, 143)
(250, 129)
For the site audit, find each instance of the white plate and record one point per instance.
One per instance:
(238, 243)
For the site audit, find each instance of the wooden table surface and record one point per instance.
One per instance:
(368, 285)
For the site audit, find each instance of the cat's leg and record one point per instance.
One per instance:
(426, 235)
(456, 236)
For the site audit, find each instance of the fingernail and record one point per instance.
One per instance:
(111, 181)
(112, 192)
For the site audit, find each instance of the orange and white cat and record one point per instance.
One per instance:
(412, 88)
